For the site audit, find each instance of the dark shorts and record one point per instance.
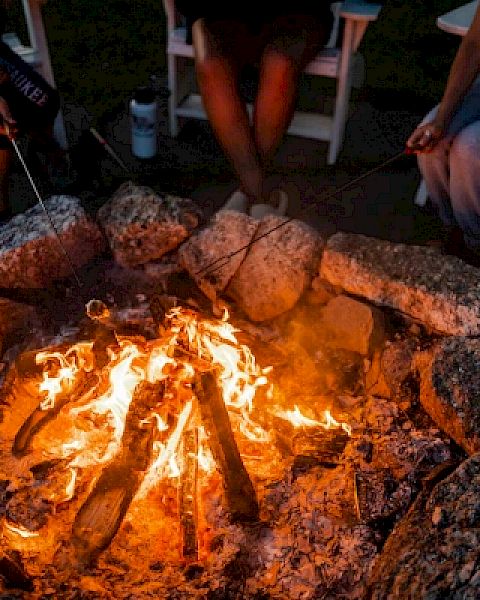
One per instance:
(249, 13)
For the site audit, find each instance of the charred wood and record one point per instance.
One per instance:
(323, 444)
(159, 305)
(12, 571)
(188, 494)
(239, 490)
(101, 515)
(29, 509)
(120, 321)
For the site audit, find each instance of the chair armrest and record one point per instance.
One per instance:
(360, 11)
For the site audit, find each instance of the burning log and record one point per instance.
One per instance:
(86, 380)
(12, 571)
(40, 417)
(128, 321)
(239, 490)
(187, 494)
(100, 517)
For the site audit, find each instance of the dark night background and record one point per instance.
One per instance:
(101, 51)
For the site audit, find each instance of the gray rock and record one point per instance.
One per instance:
(449, 387)
(441, 291)
(227, 232)
(141, 226)
(29, 251)
(277, 269)
(433, 553)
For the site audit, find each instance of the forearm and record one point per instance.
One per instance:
(465, 69)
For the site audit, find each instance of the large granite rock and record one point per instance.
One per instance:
(434, 553)
(441, 291)
(449, 388)
(205, 255)
(142, 226)
(277, 269)
(30, 255)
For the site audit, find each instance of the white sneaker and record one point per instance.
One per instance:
(238, 201)
(258, 211)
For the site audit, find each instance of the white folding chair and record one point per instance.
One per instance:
(37, 55)
(344, 64)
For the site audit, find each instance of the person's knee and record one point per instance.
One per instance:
(465, 148)
(437, 159)
(279, 67)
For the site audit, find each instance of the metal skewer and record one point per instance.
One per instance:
(42, 204)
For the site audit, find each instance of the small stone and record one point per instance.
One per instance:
(352, 325)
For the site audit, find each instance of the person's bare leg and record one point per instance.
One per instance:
(293, 41)
(220, 49)
(5, 163)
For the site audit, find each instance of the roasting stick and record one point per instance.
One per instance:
(42, 204)
(220, 262)
(103, 142)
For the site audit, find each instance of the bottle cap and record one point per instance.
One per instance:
(144, 95)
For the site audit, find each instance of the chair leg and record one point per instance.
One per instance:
(421, 194)
(343, 94)
(173, 98)
(59, 131)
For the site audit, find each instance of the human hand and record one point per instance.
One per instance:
(425, 137)
(9, 125)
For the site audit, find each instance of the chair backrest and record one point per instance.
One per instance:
(29, 53)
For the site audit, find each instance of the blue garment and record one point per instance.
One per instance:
(452, 170)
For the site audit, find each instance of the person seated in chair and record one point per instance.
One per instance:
(448, 146)
(280, 41)
(28, 105)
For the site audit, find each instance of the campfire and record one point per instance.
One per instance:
(123, 419)
(298, 423)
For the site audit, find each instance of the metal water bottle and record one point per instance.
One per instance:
(143, 113)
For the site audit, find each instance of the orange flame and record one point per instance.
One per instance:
(298, 419)
(188, 343)
(21, 531)
(62, 369)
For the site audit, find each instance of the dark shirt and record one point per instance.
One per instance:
(32, 101)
